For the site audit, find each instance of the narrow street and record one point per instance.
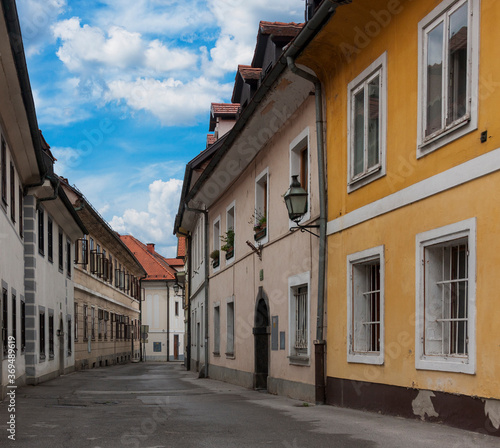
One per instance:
(162, 405)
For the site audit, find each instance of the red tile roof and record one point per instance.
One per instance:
(280, 28)
(248, 72)
(174, 261)
(224, 108)
(153, 263)
(181, 247)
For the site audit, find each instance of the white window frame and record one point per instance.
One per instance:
(294, 282)
(258, 206)
(298, 143)
(469, 122)
(217, 338)
(216, 241)
(229, 354)
(358, 258)
(448, 363)
(232, 205)
(379, 66)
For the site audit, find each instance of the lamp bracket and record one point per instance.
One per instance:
(305, 229)
(257, 250)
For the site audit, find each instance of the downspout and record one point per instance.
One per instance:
(168, 322)
(205, 214)
(319, 343)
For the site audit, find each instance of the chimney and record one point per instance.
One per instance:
(151, 248)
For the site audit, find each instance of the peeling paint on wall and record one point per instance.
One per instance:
(422, 405)
(492, 410)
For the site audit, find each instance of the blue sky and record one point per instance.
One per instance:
(123, 90)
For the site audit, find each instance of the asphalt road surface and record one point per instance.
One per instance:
(161, 405)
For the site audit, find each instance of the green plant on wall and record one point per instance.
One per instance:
(258, 220)
(228, 241)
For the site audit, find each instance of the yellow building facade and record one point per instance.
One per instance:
(413, 160)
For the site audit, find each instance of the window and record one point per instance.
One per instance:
(217, 330)
(106, 318)
(61, 250)
(100, 322)
(365, 306)
(70, 342)
(41, 319)
(23, 326)
(112, 318)
(230, 329)
(367, 112)
(5, 317)
(299, 166)
(92, 323)
(68, 258)
(299, 309)
(81, 251)
(21, 205)
(14, 319)
(176, 308)
(12, 193)
(85, 322)
(229, 238)
(4, 172)
(215, 255)
(76, 321)
(448, 73)
(110, 275)
(41, 241)
(49, 239)
(51, 336)
(261, 206)
(446, 272)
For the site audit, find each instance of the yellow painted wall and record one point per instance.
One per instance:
(397, 230)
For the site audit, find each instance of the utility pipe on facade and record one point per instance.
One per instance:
(168, 321)
(319, 343)
(205, 216)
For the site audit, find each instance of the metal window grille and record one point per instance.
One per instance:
(301, 339)
(449, 299)
(51, 335)
(371, 300)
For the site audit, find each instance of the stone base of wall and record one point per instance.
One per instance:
(462, 411)
(291, 389)
(103, 361)
(238, 377)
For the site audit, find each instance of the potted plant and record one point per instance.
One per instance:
(228, 246)
(215, 258)
(260, 226)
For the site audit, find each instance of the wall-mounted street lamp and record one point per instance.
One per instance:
(296, 204)
(179, 285)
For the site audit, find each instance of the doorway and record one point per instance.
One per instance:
(61, 346)
(176, 347)
(261, 333)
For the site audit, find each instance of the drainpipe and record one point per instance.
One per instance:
(168, 322)
(205, 215)
(319, 343)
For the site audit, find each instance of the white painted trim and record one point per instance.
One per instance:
(457, 230)
(297, 143)
(233, 206)
(473, 169)
(214, 247)
(297, 280)
(375, 253)
(379, 65)
(264, 173)
(462, 128)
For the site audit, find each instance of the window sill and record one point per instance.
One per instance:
(230, 356)
(299, 360)
(216, 354)
(364, 179)
(41, 358)
(375, 358)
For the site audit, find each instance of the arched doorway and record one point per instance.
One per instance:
(261, 333)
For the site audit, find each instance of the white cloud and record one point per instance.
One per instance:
(156, 223)
(175, 103)
(86, 50)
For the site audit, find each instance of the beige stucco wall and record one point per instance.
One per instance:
(285, 255)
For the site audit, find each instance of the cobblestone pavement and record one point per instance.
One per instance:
(161, 405)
